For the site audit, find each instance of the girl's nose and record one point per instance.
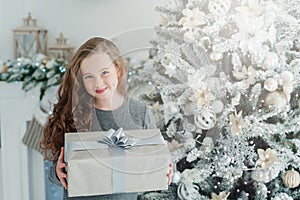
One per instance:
(99, 81)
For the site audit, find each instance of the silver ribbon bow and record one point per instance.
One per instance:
(117, 139)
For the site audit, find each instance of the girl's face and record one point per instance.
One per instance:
(100, 76)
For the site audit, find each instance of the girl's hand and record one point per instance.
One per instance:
(170, 174)
(60, 169)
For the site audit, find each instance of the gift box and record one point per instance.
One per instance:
(116, 162)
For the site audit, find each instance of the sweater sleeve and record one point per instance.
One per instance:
(52, 175)
(149, 119)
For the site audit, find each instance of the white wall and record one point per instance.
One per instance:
(78, 20)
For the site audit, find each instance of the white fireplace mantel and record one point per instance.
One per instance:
(22, 172)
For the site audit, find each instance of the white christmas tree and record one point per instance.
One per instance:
(227, 84)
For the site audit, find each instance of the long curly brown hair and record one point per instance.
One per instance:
(73, 111)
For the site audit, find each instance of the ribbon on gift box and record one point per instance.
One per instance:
(114, 139)
(117, 139)
(116, 142)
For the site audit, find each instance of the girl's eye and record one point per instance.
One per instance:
(88, 77)
(103, 73)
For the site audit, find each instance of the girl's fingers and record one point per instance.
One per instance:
(60, 169)
(61, 155)
(64, 183)
(62, 175)
(170, 174)
(61, 165)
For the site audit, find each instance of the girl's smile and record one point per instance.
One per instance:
(100, 91)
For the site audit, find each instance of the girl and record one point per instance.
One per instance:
(92, 97)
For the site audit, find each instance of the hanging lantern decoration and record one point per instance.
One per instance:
(291, 179)
(29, 39)
(61, 49)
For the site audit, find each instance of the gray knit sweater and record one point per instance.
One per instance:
(131, 115)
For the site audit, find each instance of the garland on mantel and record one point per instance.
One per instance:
(40, 70)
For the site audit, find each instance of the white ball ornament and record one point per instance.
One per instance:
(182, 192)
(291, 179)
(176, 177)
(217, 106)
(189, 37)
(277, 99)
(186, 191)
(271, 60)
(219, 7)
(206, 119)
(271, 84)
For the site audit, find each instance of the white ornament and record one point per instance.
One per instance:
(185, 191)
(219, 7)
(287, 77)
(217, 106)
(176, 177)
(51, 63)
(276, 98)
(170, 110)
(262, 176)
(192, 18)
(49, 99)
(215, 56)
(271, 60)
(208, 70)
(189, 37)
(182, 192)
(288, 89)
(221, 196)
(271, 84)
(170, 70)
(206, 119)
(291, 179)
